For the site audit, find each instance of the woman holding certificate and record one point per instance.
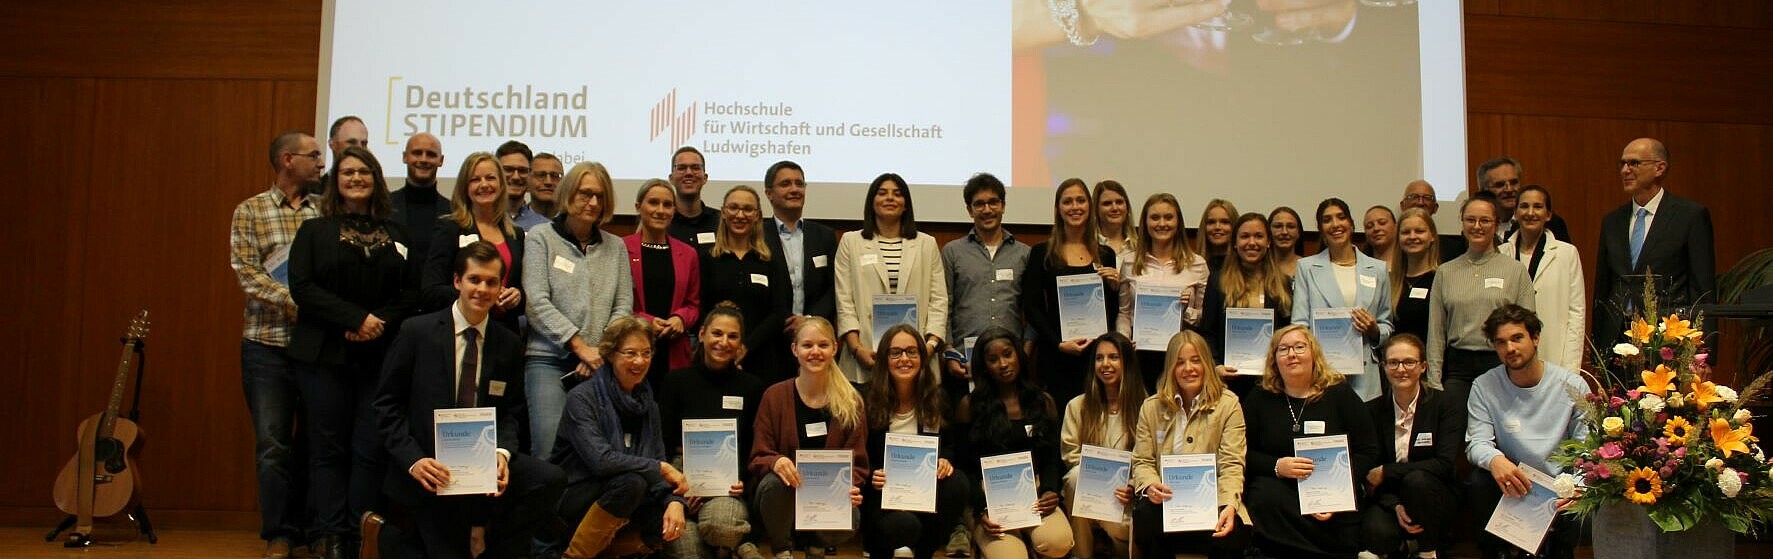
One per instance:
(1071, 254)
(1249, 284)
(1192, 414)
(817, 409)
(713, 387)
(1308, 433)
(740, 268)
(568, 310)
(1163, 263)
(1414, 480)
(1007, 413)
(1345, 297)
(1102, 417)
(1412, 273)
(905, 403)
(884, 272)
(618, 479)
(349, 275)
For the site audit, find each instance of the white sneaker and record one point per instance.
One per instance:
(902, 552)
(1366, 555)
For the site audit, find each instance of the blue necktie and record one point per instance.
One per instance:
(1637, 235)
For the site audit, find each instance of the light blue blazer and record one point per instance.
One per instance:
(1314, 287)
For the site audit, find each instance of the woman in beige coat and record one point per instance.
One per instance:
(1192, 413)
(887, 257)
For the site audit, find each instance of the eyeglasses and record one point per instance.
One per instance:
(982, 204)
(547, 175)
(1401, 364)
(1479, 221)
(513, 169)
(1637, 162)
(312, 154)
(634, 354)
(1295, 349)
(902, 353)
(1418, 197)
(741, 210)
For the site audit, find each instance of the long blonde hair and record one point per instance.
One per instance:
(461, 208)
(1180, 251)
(724, 241)
(841, 399)
(1169, 393)
(1322, 376)
(1240, 286)
(1201, 239)
(1400, 266)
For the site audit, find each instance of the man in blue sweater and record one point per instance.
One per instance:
(1520, 412)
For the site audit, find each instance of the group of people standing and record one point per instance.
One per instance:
(594, 348)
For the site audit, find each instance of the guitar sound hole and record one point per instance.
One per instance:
(110, 452)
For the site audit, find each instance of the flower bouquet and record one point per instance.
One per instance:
(1677, 444)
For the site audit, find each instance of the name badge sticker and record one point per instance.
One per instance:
(1314, 427)
(1492, 283)
(1006, 274)
(1511, 425)
(732, 402)
(400, 248)
(815, 429)
(760, 279)
(1418, 293)
(495, 388)
(820, 261)
(1369, 282)
(705, 238)
(868, 260)
(564, 265)
(466, 240)
(1425, 439)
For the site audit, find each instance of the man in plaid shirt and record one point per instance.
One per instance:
(259, 237)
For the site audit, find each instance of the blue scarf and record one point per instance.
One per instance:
(628, 405)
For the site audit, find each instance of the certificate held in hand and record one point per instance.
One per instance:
(1342, 344)
(1194, 492)
(891, 310)
(1010, 490)
(468, 444)
(1524, 521)
(822, 502)
(910, 473)
(711, 456)
(1331, 485)
(1083, 306)
(1103, 470)
(1247, 332)
(1157, 315)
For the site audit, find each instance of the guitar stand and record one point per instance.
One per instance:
(139, 514)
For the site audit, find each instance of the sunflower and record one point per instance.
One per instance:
(1640, 330)
(1643, 486)
(1677, 430)
(1705, 393)
(1730, 441)
(1658, 382)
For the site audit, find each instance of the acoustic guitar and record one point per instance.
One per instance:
(101, 479)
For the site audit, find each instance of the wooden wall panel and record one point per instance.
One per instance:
(1517, 65)
(196, 39)
(1726, 167)
(1728, 13)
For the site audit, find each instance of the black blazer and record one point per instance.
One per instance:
(336, 286)
(1435, 413)
(1677, 248)
(418, 378)
(819, 286)
(437, 289)
(419, 218)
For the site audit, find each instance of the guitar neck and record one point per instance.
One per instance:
(123, 363)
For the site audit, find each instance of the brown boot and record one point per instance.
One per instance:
(627, 544)
(594, 533)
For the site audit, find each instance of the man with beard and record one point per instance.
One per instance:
(259, 237)
(544, 175)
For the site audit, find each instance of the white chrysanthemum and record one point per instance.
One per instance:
(1651, 403)
(1742, 416)
(1613, 425)
(1675, 399)
(1714, 464)
(1729, 482)
(1625, 350)
(1727, 393)
(1564, 485)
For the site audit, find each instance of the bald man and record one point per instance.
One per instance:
(1655, 232)
(1420, 194)
(418, 204)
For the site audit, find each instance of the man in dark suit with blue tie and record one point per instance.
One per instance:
(457, 358)
(1657, 232)
(814, 244)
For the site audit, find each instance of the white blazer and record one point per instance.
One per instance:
(861, 274)
(1560, 300)
(1314, 287)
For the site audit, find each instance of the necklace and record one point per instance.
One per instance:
(1297, 425)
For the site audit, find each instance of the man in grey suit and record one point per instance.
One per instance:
(1657, 232)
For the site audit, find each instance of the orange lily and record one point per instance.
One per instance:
(1705, 393)
(1729, 440)
(1659, 382)
(1640, 330)
(1674, 327)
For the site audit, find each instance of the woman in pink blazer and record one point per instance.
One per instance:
(667, 278)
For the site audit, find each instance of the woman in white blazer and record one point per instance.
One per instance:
(887, 257)
(1556, 269)
(1342, 277)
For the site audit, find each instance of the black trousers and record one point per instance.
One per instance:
(1560, 542)
(1429, 500)
(1154, 543)
(628, 496)
(925, 533)
(1460, 367)
(442, 523)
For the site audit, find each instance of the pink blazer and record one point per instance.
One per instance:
(686, 294)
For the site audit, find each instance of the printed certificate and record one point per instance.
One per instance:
(910, 473)
(1343, 346)
(711, 456)
(1103, 471)
(1157, 315)
(1010, 490)
(1247, 332)
(1524, 521)
(468, 444)
(823, 500)
(1083, 306)
(1194, 489)
(1331, 485)
(890, 310)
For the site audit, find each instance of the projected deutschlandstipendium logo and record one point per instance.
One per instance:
(666, 121)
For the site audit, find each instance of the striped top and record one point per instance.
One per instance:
(891, 251)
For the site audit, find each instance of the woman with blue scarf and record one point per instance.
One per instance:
(611, 448)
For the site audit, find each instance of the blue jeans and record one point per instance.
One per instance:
(274, 402)
(546, 394)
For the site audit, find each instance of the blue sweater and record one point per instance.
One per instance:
(1524, 424)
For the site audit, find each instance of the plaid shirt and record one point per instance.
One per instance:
(265, 224)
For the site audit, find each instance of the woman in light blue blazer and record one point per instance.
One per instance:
(1342, 277)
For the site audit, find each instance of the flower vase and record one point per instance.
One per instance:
(1624, 531)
